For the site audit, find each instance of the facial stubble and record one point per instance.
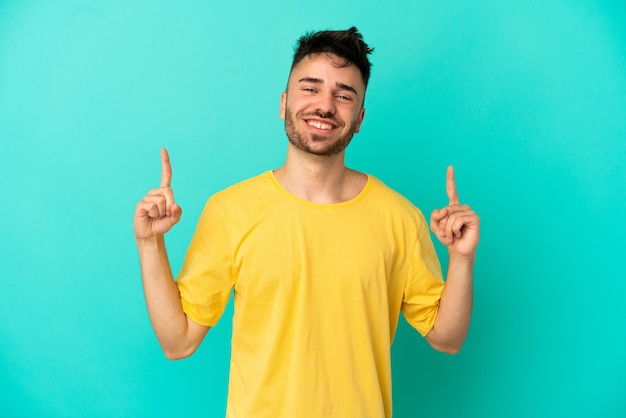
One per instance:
(298, 140)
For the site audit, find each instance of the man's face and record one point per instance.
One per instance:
(323, 104)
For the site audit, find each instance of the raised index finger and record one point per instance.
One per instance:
(166, 169)
(453, 197)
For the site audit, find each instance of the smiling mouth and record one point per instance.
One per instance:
(325, 126)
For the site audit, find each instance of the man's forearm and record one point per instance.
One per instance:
(455, 308)
(163, 299)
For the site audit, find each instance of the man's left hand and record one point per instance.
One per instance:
(456, 225)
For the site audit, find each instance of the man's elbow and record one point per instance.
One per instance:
(174, 355)
(178, 353)
(444, 345)
(451, 349)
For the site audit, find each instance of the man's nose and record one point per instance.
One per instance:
(325, 106)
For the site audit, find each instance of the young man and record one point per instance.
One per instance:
(321, 258)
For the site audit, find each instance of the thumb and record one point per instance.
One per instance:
(435, 217)
(175, 212)
(438, 214)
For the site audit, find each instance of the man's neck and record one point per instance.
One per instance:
(319, 179)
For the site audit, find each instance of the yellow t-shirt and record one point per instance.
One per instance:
(318, 289)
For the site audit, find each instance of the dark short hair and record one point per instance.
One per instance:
(346, 44)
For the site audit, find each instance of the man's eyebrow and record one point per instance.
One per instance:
(311, 80)
(346, 87)
(320, 81)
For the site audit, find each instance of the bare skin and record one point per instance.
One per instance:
(324, 105)
(458, 228)
(155, 215)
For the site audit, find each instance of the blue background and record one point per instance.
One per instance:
(526, 99)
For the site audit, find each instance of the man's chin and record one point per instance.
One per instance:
(318, 145)
(323, 150)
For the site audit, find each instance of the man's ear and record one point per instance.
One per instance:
(283, 104)
(359, 120)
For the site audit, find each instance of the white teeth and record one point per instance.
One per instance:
(320, 125)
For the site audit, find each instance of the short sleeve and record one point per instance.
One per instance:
(424, 283)
(207, 275)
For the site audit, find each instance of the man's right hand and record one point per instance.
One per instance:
(157, 212)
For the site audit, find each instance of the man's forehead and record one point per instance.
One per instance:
(327, 57)
(306, 68)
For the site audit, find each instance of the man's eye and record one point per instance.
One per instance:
(344, 97)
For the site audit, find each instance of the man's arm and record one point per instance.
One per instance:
(155, 215)
(458, 228)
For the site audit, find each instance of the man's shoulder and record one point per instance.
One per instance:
(382, 190)
(389, 199)
(251, 182)
(249, 190)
